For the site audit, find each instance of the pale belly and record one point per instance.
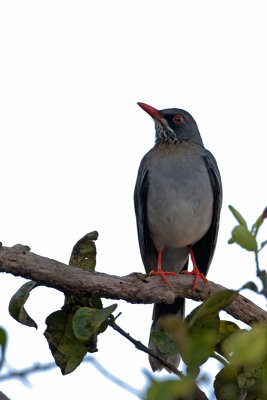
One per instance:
(180, 200)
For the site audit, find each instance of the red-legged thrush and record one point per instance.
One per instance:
(177, 198)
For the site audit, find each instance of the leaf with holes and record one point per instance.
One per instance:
(84, 252)
(83, 256)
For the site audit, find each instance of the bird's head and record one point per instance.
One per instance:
(173, 125)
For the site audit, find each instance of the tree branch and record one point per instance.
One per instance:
(24, 374)
(134, 288)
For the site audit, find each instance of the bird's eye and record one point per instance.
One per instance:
(178, 119)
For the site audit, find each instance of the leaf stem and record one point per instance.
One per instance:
(257, 261)
(261, 274)
(242, 394)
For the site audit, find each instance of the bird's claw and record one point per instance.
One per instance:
(162, 274)
(198, 275)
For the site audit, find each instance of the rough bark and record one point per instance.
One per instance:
(133, 288)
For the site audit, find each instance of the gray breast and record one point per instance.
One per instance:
(180, 197)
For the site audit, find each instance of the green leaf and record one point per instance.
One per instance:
(175, 328)
(84, 252)
(242, 236)
(96, 302)
(225, 384)
(3, 343)
(250, 285)
(251, 380)
(16, 305)
(170, 389)
(66, 349)
(203, 329)
(164, 343)
(245, 381)
(256, 226)
(83, 256)
(101, 316)
(263, 244)
(248, 347)
(212, 304)
(226, 328)
(264, 377)
(202, 337)
(89, 321)
(238, 216)
(83, 325)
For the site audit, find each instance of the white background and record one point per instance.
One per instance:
(72, 138)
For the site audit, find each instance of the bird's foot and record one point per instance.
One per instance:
(163, 274)
(198, 275)
(195, 270)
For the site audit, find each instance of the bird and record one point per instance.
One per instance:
(177, 200)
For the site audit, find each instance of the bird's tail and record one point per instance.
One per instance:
(161, 310)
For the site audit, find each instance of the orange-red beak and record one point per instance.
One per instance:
(153, 112)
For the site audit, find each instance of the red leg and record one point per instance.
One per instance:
(195, 270)
(160, 272)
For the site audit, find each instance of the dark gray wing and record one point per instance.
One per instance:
(204, 248)
(147, 249)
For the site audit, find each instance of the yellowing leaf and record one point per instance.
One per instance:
(238, 216)
(242, 236)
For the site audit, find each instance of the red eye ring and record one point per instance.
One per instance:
(178, 119)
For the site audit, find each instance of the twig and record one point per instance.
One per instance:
(3, 396)
(112, 377)
(197, 395)
(143, 348)
(22, 374)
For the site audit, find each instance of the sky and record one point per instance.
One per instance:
(72, 137)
